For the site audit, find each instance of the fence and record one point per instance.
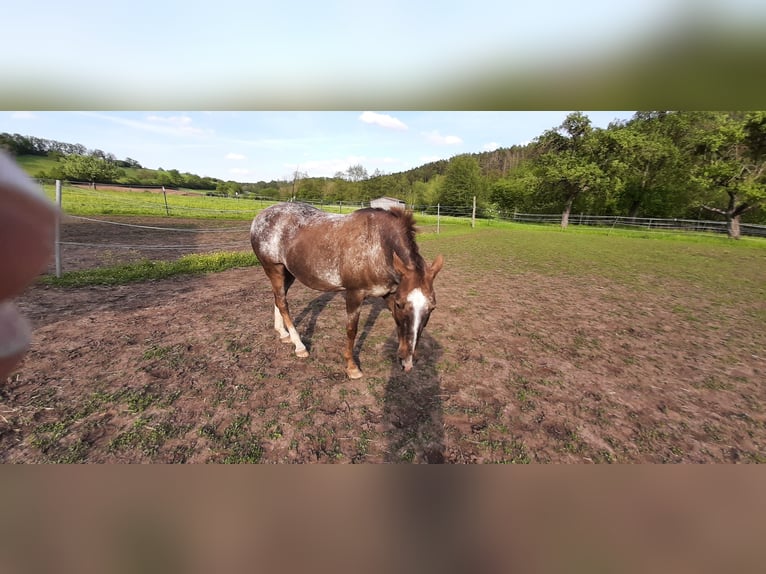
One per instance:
(652, 223)
(164, 205)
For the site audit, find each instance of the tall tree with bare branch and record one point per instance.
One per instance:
(732, 161)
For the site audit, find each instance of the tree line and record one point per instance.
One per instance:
(664, 164)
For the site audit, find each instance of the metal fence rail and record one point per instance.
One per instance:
(695, 225)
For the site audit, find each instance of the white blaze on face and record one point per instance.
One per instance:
(419, 304)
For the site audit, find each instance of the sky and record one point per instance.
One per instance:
(194, 54)
(251, 146)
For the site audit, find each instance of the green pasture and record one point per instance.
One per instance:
(712, 265)
(34, 164)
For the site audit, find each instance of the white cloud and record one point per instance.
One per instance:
(491, 146)
(180, 124)
(235, 156)
(383, 120)
(168, 125)
(436, 138)
(23, 116)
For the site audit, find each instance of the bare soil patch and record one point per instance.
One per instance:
(512, 368)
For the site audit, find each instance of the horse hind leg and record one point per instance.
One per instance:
(279, 326)
(281, 280)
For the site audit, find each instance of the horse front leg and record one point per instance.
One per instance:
(353, 308)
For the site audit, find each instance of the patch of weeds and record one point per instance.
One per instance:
(526, 404)
(362, 446)
(325, 444)
(569, 438)
(172, 355)
(236, 348)
(583, 341)
(605, 456)
(514, 452)
(573, 442)
(713, 384)
(306, 396)
(95, 401)
(525, 390)
(138, 400)
(686, 313)
(445, 366)
(45, 397)
(229, 394)
(75, 453)
(238, 444)
(46, 436)
(146, 437)
(273, 429)
(407, 455)
(601, 415)
(677, 453)
(648, 438)
(755, 457)
(713, 431)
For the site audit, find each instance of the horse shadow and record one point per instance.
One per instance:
(310, 314)
(412, 406)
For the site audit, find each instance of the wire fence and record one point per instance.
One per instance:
(649, 223)
(144, 238)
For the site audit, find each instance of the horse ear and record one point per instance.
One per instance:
(436, 266)
(399, 265)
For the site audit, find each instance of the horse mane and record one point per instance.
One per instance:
(405, 221)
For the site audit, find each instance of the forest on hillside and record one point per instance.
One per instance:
(665, 164)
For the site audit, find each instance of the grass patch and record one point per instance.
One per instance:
(194, 264)
(147, 436)
(238, 445)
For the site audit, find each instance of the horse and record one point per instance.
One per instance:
(370, 252)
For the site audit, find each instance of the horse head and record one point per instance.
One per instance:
(412, 303)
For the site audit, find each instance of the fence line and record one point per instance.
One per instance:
(650, 223)
(151, 247)
(215, 230)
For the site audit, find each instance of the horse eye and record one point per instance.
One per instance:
(400, 305)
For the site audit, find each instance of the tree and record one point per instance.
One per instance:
(516, 192)
(228, 188)
(568, 165)
(356, 173)
(462, 182)
(91, 169)
(644, 161)
(733, 161)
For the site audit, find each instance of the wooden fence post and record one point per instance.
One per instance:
(167, 211)
(57, 245)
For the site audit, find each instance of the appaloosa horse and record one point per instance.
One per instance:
(370, 252)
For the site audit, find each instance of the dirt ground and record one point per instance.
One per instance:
(542, 369)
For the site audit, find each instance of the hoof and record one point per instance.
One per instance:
(303, 353)
(354, 373)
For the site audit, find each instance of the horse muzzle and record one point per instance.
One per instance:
(407, 363)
